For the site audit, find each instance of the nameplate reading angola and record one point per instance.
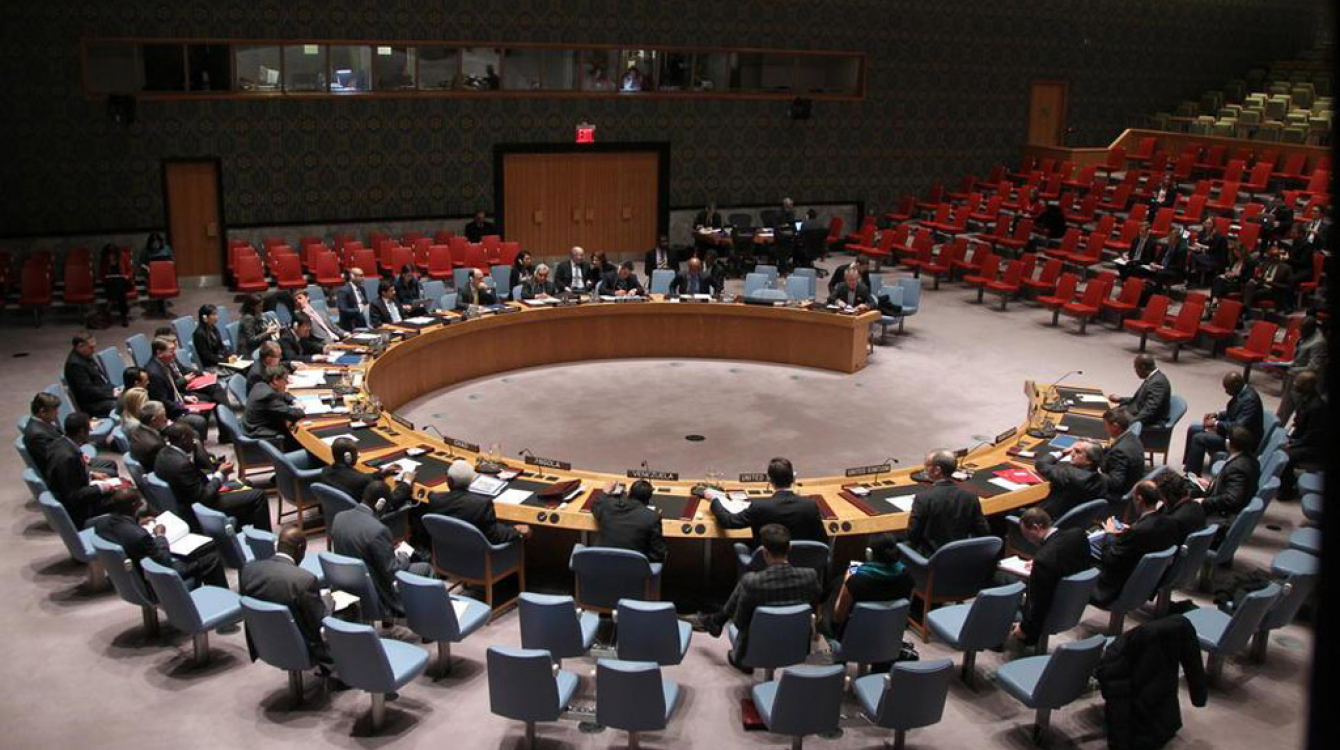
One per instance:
(548, 463)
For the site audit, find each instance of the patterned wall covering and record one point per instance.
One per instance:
(947, 93)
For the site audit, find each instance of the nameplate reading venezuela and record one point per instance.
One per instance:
(548, 463)
(860, 471)
(660, 476)
(453, 442)
(753, 477)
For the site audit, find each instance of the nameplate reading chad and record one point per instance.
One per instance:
(860, 471)
(660, 476)
(548, 463)
(453, 442)
(753, 477)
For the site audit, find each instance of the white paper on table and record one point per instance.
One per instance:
(307, 379)
(331, 440)
(364, 338)
(734, 506)
(539, 302)
(403, 465)
(1016, 565)
(513, 497)
(701, 297)
(312, 405)
(1092, 398)
(903, 502)
(421, 320)
(487, 485)
(404, 548)
(575, 492)
(1006, 484)
(237, 364)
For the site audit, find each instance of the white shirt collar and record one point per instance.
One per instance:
(285, 557)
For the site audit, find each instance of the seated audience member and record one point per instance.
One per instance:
(798, 515)
(1309, 439)
(1311, 354)
(1240, 268)
(1234, 486)
(1150, 403)
(708, 217)
(523, 268)
(84, 492)
(881, 578)
(323, 328)
(778, 584)
(177, 465)
(1060, 553)
(660, 258)
(342, 475)
(92, 390)
(130, 523)
(540, 287)
(1175, 491)
(1143, 254)
(1211, 435)
(715, 267)
(626, 522)
(623, 283)
(271, 410)
(360, 534)
(409, 291)
(861, 263)
(41, 432)
(1073, 483)
(1124, 458)
(480, 227)
(146, 434)
(269, 356)
(128, 406)
(253, 327)
(457, 502)
(386, 310)
(281, 579)
(1209, 254)
(694, 280)
(601, 268)
(1173, 259)
(575, 274)
(352, 302)
(134, 377)
(853, 292)
(168, 386)
(208, 342)
(944, 512)
(297, 344)
(476, 291)
(1124, 546)
(1272, 280)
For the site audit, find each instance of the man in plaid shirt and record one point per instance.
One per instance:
(778, 584)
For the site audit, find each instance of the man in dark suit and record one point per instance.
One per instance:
(360, 534)
(476, 291)
(1143, 251)
(861, 263)
(281, 579)
(693, 280)
(457, 502)
(271, 355)
(799, 515)
(342, 475)
(624, 283)
(1178, 505)
(146, 437)
(297, 344)
(480, 227)
(1124, 458)
(1309, 441)
(628, 523)
(1209, 256)
(128, 523)
(352, 302)
(1059, 554)
(945, 512)
(92, 390)
(661, 257)
(271, 409)
(190, 484)
(1272, 280)
(539, 286)
(708, 217)
(1211, 435)
(84, 493)
(167, 388)
(1151, 532)
(778, 584)
(853, 292)
(385, 310)
(1150, 403)
(41, 432)
(1173, 259)
(1073, 483)
(1234, 486)
(575, 274)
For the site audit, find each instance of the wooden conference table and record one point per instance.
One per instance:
(451, 350)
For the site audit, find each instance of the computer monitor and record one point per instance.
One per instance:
(798, 225)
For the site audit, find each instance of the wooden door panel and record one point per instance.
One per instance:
(194, 224)
(1047, 113)
(638, 202)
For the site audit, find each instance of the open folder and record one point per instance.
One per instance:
(180, 539)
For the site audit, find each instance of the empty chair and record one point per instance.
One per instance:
(956, 572)
(1046, 683)
(367, 662)
(798, 287)
(219, 527)
(1139, 588)
(435, 615)
(261, 546)
(1156, 438)
(778, 637)
(1068, 603)
(910, 696)
(873, 634)
(195, 611)
(127, 581)
(462, 553)
(985, 623)
(554, 624)
(1301, 572)
(1223, 635)
(294, 474)
(277, 641)
(605, 575)
(140, 352)
(660, 280)
(754, 282)
(1186, 566)
(633, 697)
(78, 543)
(351, 576)
(650, 631)
(524, 686)
(802, 701)
(163, 281)
(1238, 532)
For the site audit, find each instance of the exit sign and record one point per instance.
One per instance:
(586, 133)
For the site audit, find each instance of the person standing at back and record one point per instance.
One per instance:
(945, 512)
(799, 515)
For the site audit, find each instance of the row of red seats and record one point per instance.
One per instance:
(37, 283)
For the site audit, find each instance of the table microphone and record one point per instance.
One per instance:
(1058, 404)
(441, 437)
(890, 461)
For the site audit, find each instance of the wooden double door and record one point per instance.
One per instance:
(606, 201)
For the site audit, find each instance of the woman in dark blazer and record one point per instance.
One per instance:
(208, 344)
(253, 329)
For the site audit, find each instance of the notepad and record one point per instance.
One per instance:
(513, 497)
(902, 502)
(487, 485)
(311, 405)
(237, 364)
(1016, 565)
(342, 600)
(422, 320)
(734, 506)
(459, 608)
(1006, 484)
(539, 302)
(180, 539)
(1090, 398)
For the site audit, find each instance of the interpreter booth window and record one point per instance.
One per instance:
(439, 68)
(637, 70)
(305, 67)
(350, 68)
(711, 71)
(393, 68)
(676, 70)
(599, 69)
(257, 68)
(164, 67)
(113, 68)
(208, 66)
(822, 74)
(762, 73)
(479, 66)
(537, 69)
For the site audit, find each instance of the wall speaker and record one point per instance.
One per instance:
(801, 108)
(121, 109)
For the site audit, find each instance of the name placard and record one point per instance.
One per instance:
(1006, 435)
(860, 471)
(753, 477)
(660, 476)
(548, 463)
(453, 442)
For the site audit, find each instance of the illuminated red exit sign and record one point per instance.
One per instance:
(586, 133)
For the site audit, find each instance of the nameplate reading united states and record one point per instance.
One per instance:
(661, 476)
(753, 477)
(453, 442)
(548, 463)
(860, 471)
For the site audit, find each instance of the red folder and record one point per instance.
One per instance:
(200, 407)
(202, 381)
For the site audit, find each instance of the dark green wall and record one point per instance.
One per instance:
(947, 94)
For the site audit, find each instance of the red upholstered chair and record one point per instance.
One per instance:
(988, 269)
(1122, 243)
(442, 237)
(439, 262)
(1292, 169)
(287, 271)
(1195, 210)
(376, 237)
(1255, 349)
(1090, 254)
(1069, 245)
(1183, 330)
(1045, 282)
(327, 269)
(1065, 293)
(1213, 161)
(474, 256)
(1318, 184)
(1051, 189)
(510, 251)
(35, 286)
(1227, 200)
(1128, 303)
(1249, 236)
(1162, 222)
(972, 264)
(1009, 284)
(1019, 239)
(933, 198)
(250, 277)
(1115, 162)
(1000, 230)
(1259, 182)
(1121, 197)
(78, 282)
(459, 247)
(941, 218)
(1310, 286)
(902, 211)
(1156, 309)
(988, 213)
(943, 264)
(401, 257)
(491, 242)
(365, 260)
(1222, 325)
(1144, 149)
(1090, 304)
(965, 186)
(902, 240)
(1087, 208)
(163, 282)
(834, 231)
(924, 257)
(1084, 178)
(1233, 171)
(408, 238)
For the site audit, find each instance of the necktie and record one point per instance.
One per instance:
(693, 284)
(101, 370)
(394, 309)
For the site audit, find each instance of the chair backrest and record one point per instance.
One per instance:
(797, 287)
(1296, 589)
(522, 685)
(222, 530)
(660, 280)
(991, 616)
(915, 694)
(1067, 672)
(550, 622)
(172, 596)
(874, 632)
(648, 631)
(140, 352)
(1071, 597)
(260, 542)
(1083, 515)
(911, 294)
(360, 659)
(286, 474)
(753, 282)
(113, 364)
(36, 485)
(58, 518)
(809, 700)
(1247, 618)
(275, 635)
(631, 695)
(605, 575)
(1144, 580)
(502, 278)
(129, 585)
(350, 575)
(1261, 336)
(960, 569)
(458, 548)
(1190, 556)
(185, 328)
(779, 636)
(428, 608)
(1065, 288)
(1176, 410)
(160, 496)
(1239, 531)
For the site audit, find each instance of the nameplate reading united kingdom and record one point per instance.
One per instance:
(753, 477)
(860, 471)
(660, 476)
(548, 463)
(453, 442)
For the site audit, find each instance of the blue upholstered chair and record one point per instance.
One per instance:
(753, 282)
(650, 631)
(1186, 565)
(294, 474)
(127, 581)
(113, 364)
(524, 686)
(350, 575)
(1139, 588)
(1222, 635)
(222, 530)
(954, 573)
(502, 279)
(873, 634)
(334, 501)
(633, 697)
(1050, 682)
(195, 611)
(804, 554)
(36, 485)
(554, 624)
(1300, 573)
(804, 700)
(377, 665)
(140, 351)
(778, 637)
(1068, 604)
(1238, 532)
(660, 281)
(605, 575)
(435, 615)
(161, 497)
(1156, 438)
(251, 458)
(277, 640)
(462, 553)
(78, 543)
(985, 623)
(909, 696)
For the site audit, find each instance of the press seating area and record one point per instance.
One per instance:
(44, 282)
